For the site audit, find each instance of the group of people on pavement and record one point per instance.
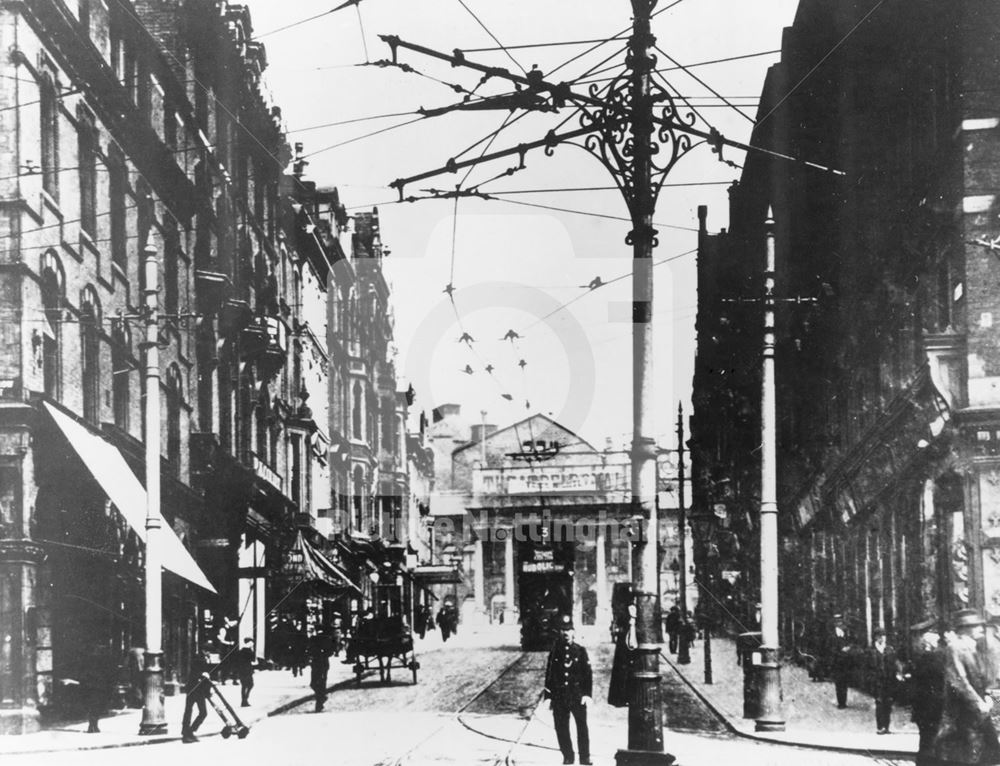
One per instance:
(678, 627)
(950, 675)
(240, 664)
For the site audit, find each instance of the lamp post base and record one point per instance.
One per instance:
(643, 758)
(771, 698)
(708, 654)
(154, 719)
(683, 651)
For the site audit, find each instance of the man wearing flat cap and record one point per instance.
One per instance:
(569, 688)
(966, 733)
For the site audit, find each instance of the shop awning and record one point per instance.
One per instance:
(123, 489)
(430, 574)
(305, 561)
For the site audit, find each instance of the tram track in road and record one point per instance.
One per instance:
(405, 758)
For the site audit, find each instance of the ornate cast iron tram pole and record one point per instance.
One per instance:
(639, 150)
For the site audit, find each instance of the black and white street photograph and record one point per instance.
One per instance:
(500, 382)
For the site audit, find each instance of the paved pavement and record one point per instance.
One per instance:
(810, 709)
(274, 692)
(812, 717)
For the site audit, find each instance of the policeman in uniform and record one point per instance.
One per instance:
(568, 687)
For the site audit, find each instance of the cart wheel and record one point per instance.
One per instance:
(227, 732)
(242, 732)
(358, 670)
(414, 665)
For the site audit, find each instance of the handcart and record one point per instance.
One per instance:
(231, 723)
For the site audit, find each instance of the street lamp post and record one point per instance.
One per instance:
(701, 527)
(683, 646)
(770, 718)
(153, 717)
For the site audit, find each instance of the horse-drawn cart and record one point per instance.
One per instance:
(385, 643)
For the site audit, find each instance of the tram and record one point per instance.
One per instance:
(544, 583)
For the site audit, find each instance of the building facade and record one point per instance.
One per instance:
(512, 492)
(135, 125)
(887, 371)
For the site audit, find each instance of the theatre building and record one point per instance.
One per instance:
(538, 518)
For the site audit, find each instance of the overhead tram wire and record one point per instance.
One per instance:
(617, 36)
(704, 84)
(493, 37)
(588, 290)
(305, 21)
(349, 122)
(690, 66)
(819, 63)
(366, 135)
(361, 25)
(599, 188)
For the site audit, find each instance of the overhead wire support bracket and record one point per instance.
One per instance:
(534, 80)
(561, 94)
(549, 143)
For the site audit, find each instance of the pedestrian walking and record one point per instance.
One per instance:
(883, 673)
(840, 654)
(135, 661)
(569, 687)
(246, 660)
(447, 620)
(620, 684)
(672, 623)
(926, 676)
(225, 645)
(96, 682)
(197, 690)
(320, 648)
(965, 733)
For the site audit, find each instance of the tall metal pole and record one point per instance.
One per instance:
(683, 648)
(645, 714)
(153, 718)
(771, 718)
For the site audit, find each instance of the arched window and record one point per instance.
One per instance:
(52, 301)
(356, 409)
(358, 492)
(175, 397)
(90, 344)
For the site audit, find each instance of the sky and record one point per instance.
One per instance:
(515, 263)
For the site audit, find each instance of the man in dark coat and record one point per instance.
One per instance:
(320, 648)
(197, 689)
(672, 624)
(246, 660)
(569, 687)
(883, 672)
(966, 733)
(926, 676)
(839, 654)
(97, 681)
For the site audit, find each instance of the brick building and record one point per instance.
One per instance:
(127, 125)
(888, 404)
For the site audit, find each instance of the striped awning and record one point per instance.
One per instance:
(307, 563)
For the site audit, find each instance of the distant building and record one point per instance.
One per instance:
(512, 492)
